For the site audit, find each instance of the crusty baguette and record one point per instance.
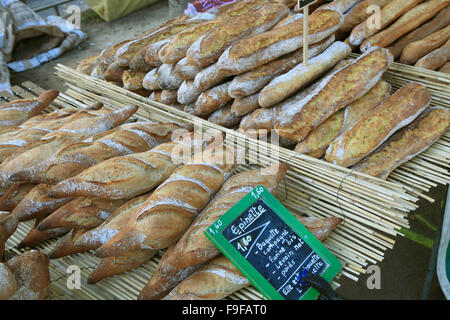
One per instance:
(132, 80)
(128, 176)
(218, 278)
(212, 99)
(65, 245)
(194, 248)
(14, 195)
(406, 143)
(8, 285)
(8, 225)
(187, 93)
(255, 51)
(31, 271)
(445, 68)
(359, 13)
(341, 5)
(81, 213)
(167, 79)
(176, 49)
(71, 160)
(207, 49)
(407, 22)
(35, 236)
(370, 132)
(151, 80)
(389, 13)
(156, 95)
(172, 207)
(169, 96)
(151, 53)
(16, 112)
(317, 142)
(88, 64)
(224, 117)
(37, 204)
(441, 20)
(254, 80)
(186, 70)
(300, 76)
(436, 58)
(114, 73)
(245, 105)
(290, 18)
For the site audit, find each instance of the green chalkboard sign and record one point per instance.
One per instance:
(303, 3)
(271, 247)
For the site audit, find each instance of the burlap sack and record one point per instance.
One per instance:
(110, 10)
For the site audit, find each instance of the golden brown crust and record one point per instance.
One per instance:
(224, 117)
(8, 225)
(14, 195)
(65, 246)
(213, 99)
(132, 80)
(359, 13)
(436, 58)
(88, 65)
(245, 105)
(35, 236)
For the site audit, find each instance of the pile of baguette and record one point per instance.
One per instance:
(97, 181)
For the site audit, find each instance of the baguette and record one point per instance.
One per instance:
(35, 236)
(389, 13)
(219, 278)
(317, 142)
(406, 143)
(65, 246)
(176, 49)
(407, 22)
(16, 112)
(167, 78)
(441, 20)
(187, 93)
(169, 96)
(151, 80)
(81, 213)
(341, 5)
(300, 76)
(114, 74)
(151, 53)
(194, 248)
(31, 271)
(445, 68)
(128, 176)
(73, 159)
(253, 81)
(14, 195)
(208, 48)
(88, 65)
(8, 225)
(436, 58)
(186, 70)
(359, 13)
(395, 113)
(245, 105)
(37, 204)
(8, 285)
(255, 51)
(290, 18)
(132, 80)
(213, 99)
(224, 117)
(156, 95)
(172, 207)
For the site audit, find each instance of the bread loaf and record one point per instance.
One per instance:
(31, 271)
(114, 73)
(389, 13)
(167, 78)
(445, 68)
(88, 65)
(186, 70)
(8, 225)
(156, 95)
(207, 49)
(219, 278)
(255, 51)
(14, 195)
(169, 96)
(187, 93)
(172, 207)
(254, 80)
(245, 105)
(213, 99)
(224, 117)
(35, 236)
(151, 53)
(370, 132)
(359, 13)
(441, 20)
(406, 143)
(290, 18)
(341, 5)
(407, 22)
(16, 112)
(151, 80)
(8, 283)
(436, 58)
(300, 76)
(132, 80)
(65, 246)
(128, 176)
(194, 248)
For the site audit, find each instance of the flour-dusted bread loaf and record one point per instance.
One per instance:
(435, 59)
(218, 278)
(151, 53)
(207, 50)
(254, 80)
(155, 95)
(255, 51)
(341, 5)
(317, 142)
(8, 285)
(301, 75)
(132, 80)
(407, 22)
(151, 80)
(31, 271)
(114, 74)
(14, 195)
(65, 246)
(406, 143)
(88, 64)
(126, 139)
(194, 248)
(445, 68)
(167, 79)
(359, 13)
(245, 105)
(370, 132)
(212, 99)
(186, 70)
(16, 112)
(35, 236)
(224, 117)
(172, 207)
(8, 225)
(169, 96)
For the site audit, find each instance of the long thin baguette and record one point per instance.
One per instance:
(245, 105)
(253, 81)
(14, 195)
(407, 22)
(255, 51)
(167, 79)
(406, 143)
(35, 236)
(16, 112)
(445, 68)
(389, 13)
(213, 99)
(151, 53)
(8, 225)
(441, 20)
(114, 73)
(207, 50)
(436, 58)
(132, 79)
(169, 96)
(341, 5)
(172, 207)
(128, 176)
(317, 142)
(194, 248)
(300, 76)
(186, 70)
(87, 65)
(223, 278)
(359, 13)
(124, 140)
(151, 80)
(65, 246)
(224, 117)
(370, 132)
